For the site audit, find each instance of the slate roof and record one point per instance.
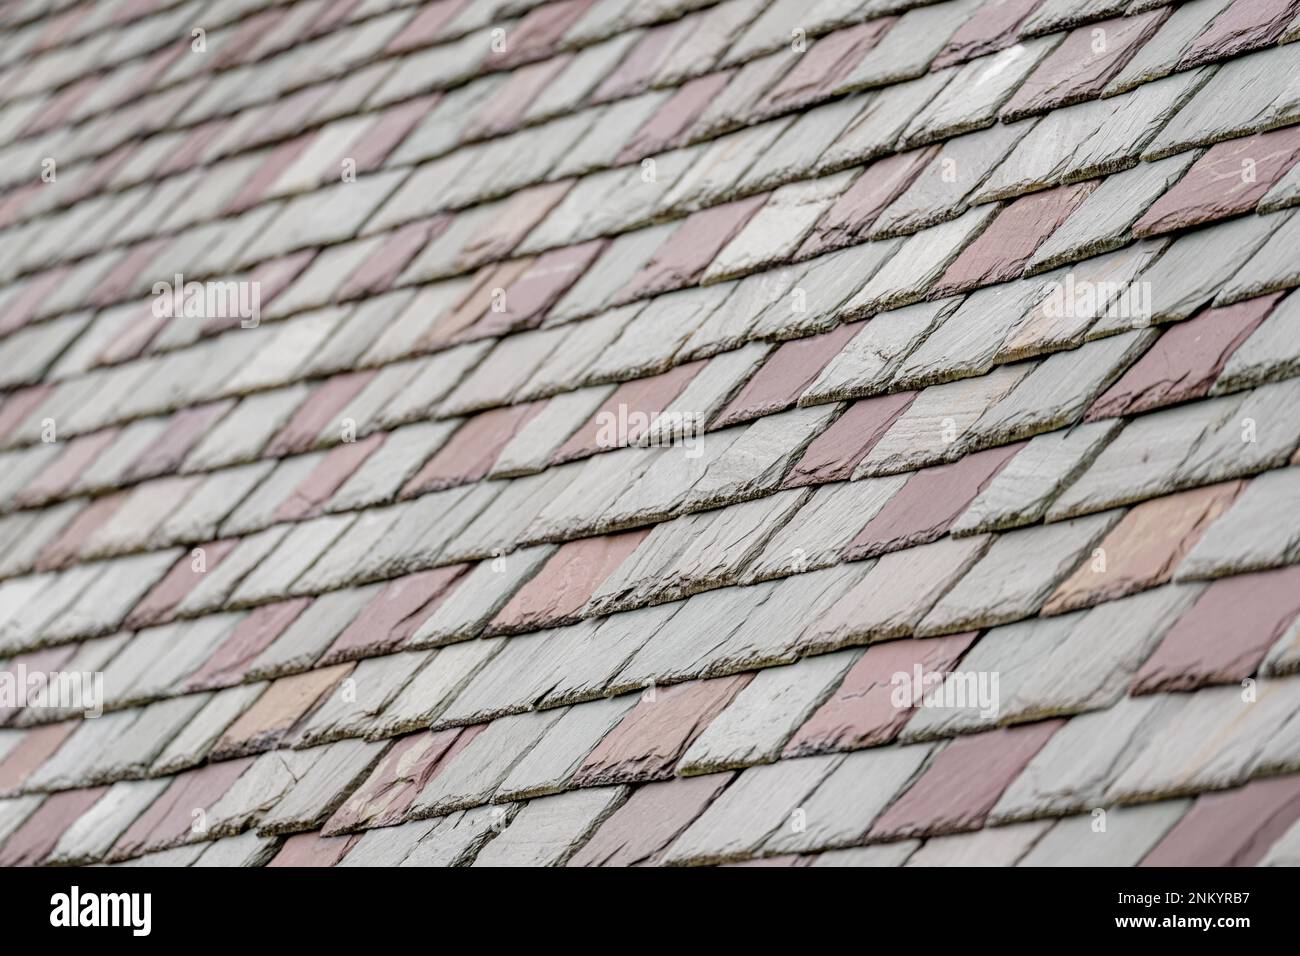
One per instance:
(954, 337)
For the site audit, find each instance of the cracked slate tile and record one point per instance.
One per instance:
(861, 711)
(924, 508)
(1144, 548)
(1016, 575)
(325, 785)
(1235, 828)
(456, 839)
(384, 796)
(963, 782)
(168, 820)
(650, 739)
(257, 791)
(388, 846)
(762, 717)
(549, 830)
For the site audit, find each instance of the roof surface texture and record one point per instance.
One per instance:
(611, 432)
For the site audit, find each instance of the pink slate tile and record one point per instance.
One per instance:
(505, 108)
(964, 781)
(1144, 548)
(650, 739)
(382, 800)
(538, 33)
(426, 26)
(1000, 252)
(22, 309)
(186, 429)
(255, 188)
(316, 413)
(783, 377)
(168, 820)
(374, 143)
(1229, 179)
(687, 252)
(185, 575)
(561, 589)
(1184, 362)
(634, 73)
(1231, 828)
(538, 287)
(849, 220)
(635, 403)
(64, 549)
(825, 63)
(523, 210)
(471, 451)
(1224, 636)
(280, 707)
(1246, 25)
(380, 270)
(990, 28)
(834, 453)
(251, 636)
(673, 120)
(393, 614)
(335, 468)
(1084, 63)
(928, 503)
(861, 712)
(33, 841)
(17, 406)
(312, 849)
(53, 481)
(38, 745)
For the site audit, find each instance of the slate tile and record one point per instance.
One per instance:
(1016, 575)
(364, 694)
(388, 846)
(317, 413)
(1240, 27)
(880, 854)
(755, 805)
(992, 27)
(651, 738)
(1264, 351)
(383, 797)
(168, 820)
(629, 408)
(34, 747)
(861, 711)
(392, 614)
(1257, 532)
(469, 453)
(602, 649)
(639, 831)
(1231, 178)
(825, 63)
(189, 747)
(689, 250)
(1144, 548)
(757, 723)
(274, 714)
(884, 116)
(924, 508)
(1129, 834)
(249, 638)
(312, 849)
(796, 152)
(1054, 15)
(1234, 828)
(478, 597)
(32, 842)
(1162, 54)
(1081, 66)
(784, 376)
(1268, 269)
(951, 795)
(895, 594)
(1002, 250)
(547, 831)
(319, 792)
(850, 219)
(434, 687)
(257, 791)
(669, 125)
(547, 768)
(992, 846)
(159, 603)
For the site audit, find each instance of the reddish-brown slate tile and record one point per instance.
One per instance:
(1224, 636)
(37, 745)
(139, 333)
(185, 430)
(964, 781)
(561, 589)
(156, 606)
(539, 31)
(655, 815)
(335, 468)
(393, 614)
(990, 28)
(378, 272)
(317, 413)
(850, 219)
(168, 820)
(251, 636)
(386, 133)
(116, 284)
(649, 741)
(505, 108)
(312, 849)
(425, 27)
(931, 500)
(1001, 251)
(825, 63)
(471, 451)
(60, 106)
(1184, 362)
(630, 409)
(382, 800)
(1229, 179)
(537, 288)
(1246, 25)
(1232, 828)
(17, 406)
(32, 842)
(1083, 64)
(861, 712)
(1144, 548)
(673, 120)
(488, 284)
(62, 473)
(635, 71)
(279, 159)
(834, 453)
(283, 704)
(687, 252)
(783, 377)
(64, 549)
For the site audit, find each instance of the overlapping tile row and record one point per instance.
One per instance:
(627, 571)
